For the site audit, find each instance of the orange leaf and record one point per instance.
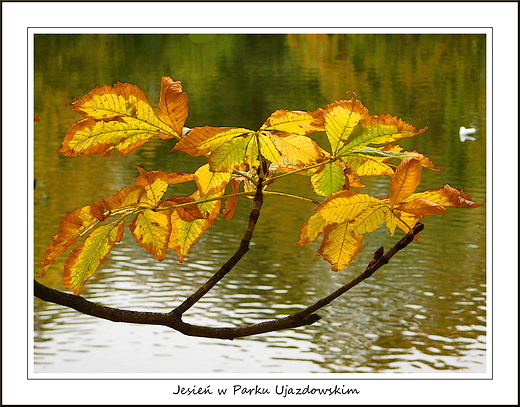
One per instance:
(421, 206)
(72, 226)
(232, 203)
(447, 196)
(173, 104)
(405, 180)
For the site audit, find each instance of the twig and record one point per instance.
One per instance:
(173, 319)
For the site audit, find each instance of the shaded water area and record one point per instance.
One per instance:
(424, 312)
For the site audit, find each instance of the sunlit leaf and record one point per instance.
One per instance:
(294, 149)
(202, 140)
(231, 204)
(86, 258)
(294, 122)
(185, 234)
(370, 219)
(380, 129)
(173, 104)
(421, 206)
(209, 182)
(117, 117)
(341, 117)
(312, 229)
(403, 220)
(446, 196)
(185, 212)
(72, 226)
(152, 230)
(345, 205)
(328, 179)
(405, 180)
(339, 245)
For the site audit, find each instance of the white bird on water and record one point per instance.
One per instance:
(464, 134)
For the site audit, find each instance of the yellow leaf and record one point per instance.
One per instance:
(185, 234)
(72, 226)
(209, 182)
(329, 178)
(118, 117)
(381, 129)
(370, 219)
(364, 165)
(405, 180)
(339, 245)
(446, 196)
(403, 220)
(312, 229)
(294, 149)
(341, 117)
(152, 231)
(173, 104)
(86, 258)
(233, 154)
(294, 122)
(345, 205)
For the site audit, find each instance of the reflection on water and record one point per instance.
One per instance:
(424, 312)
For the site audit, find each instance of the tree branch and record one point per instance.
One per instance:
(173, 319)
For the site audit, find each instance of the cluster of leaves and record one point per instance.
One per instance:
(120, 118)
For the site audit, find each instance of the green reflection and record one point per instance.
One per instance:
(437, 81)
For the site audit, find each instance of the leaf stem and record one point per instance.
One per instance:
(291, 196)
(310, 167)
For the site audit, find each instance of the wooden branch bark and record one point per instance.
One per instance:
(173, 319)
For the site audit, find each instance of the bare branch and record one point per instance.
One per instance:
(173, 319)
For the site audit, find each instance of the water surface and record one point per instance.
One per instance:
(424, 312)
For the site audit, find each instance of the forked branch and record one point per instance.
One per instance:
(173, 319)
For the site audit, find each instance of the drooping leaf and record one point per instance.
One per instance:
(152, 230)
(86, 258)
(72, 226)
(185, 234)
(209, 182)
(117, 117)
(341, 117)
(340, 245)
(312, 229)
(402, 220)
(231, 204)
(173, 104)
(405, 180)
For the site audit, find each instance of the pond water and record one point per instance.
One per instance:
(424, 312)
